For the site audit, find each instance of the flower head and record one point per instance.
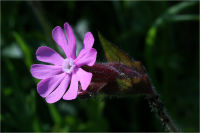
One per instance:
(60, 78)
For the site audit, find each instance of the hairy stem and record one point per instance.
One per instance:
(157, 106)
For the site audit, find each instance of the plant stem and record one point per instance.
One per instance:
(157, 106)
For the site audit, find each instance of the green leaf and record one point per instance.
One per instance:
(114, 54)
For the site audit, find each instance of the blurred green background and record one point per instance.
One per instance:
(164, 36)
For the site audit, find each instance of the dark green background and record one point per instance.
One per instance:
(164, 36)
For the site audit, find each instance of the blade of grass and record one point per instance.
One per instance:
(28, 61)
(185, 18)
(26, 50)
(43, 22)
(54, 114)
(152, 32)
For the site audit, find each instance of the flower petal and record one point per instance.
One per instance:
(84, 77)
(40, 71)
(60, 38)
(86, 57)
(71, 40)
(48, 55)
(88, 40)
(73, 89)
(46, 86)
(57, 94)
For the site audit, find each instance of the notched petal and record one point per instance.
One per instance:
(72, 92)
(41, 71)
(71, 40)
(88, 40)
(84, 78)
(60, 38)
(46, 86)
(57, 94)
(48, 55)
(86, 57)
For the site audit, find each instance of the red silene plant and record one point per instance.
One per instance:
(74, 76)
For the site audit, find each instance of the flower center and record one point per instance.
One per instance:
(68, 65)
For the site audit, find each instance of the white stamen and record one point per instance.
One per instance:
(68, 65)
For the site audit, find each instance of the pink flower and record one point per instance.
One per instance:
(64, 72)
